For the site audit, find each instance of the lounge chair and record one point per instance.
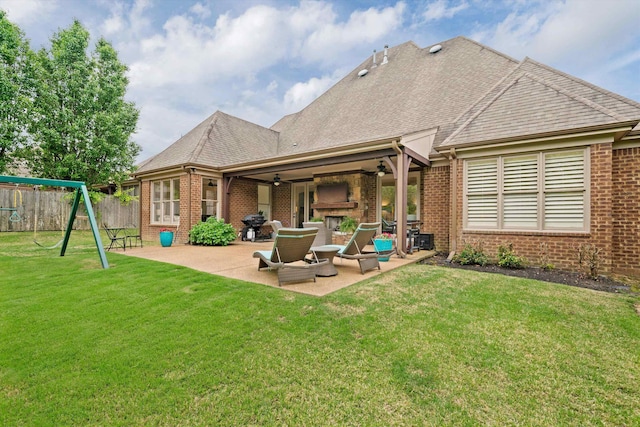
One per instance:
(290, 247)
(355, 248)
(275, 225)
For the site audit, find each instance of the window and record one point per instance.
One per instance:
(264, 200)
(165, 201)
(388, 197)
(543, 191)
(209, 198)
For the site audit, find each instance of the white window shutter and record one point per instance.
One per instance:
(564, 199)
(482, 193)
(520, 192)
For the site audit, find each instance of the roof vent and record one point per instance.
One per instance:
(384, 59)
(374, 59)
(435, 49)
(363, 72)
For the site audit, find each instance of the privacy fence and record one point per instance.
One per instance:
(29, 210)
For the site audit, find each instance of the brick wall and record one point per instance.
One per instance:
(146, 230)
(281, 204)
(560, 249)
(243, 201)
(626, 211)
(435, 205)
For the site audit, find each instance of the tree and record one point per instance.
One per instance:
(15, 91)
(82, 126)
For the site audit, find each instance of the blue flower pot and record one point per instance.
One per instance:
(166, 238)
(383, 246)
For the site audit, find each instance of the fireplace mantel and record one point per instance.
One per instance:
(335, 205)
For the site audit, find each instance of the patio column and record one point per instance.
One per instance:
(401, 204)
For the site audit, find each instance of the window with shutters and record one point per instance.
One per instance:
(542, 191)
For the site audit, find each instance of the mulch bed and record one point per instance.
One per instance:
(602, 283)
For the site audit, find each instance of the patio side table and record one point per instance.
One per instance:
(326, 252)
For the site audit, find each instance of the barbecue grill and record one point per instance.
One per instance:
(253, 223)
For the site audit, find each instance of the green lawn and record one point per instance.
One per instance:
(145, 343)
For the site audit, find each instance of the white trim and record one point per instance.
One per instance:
(538, 144)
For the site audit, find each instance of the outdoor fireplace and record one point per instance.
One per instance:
(333, 222)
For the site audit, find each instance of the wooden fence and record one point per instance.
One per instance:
(50, 210)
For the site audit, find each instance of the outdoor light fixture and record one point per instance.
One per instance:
(381, 169)
(210, 184)
(276, 180)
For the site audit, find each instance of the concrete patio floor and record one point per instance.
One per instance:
(236, 261)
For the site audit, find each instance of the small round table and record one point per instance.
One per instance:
(326, 252)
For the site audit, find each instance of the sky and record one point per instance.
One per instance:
(260, 60)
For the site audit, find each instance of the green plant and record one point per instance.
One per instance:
(125, 196)
(212, 232)
(545, 264)
(508, 259)
(472, 255)
(316, 219)
(348, 224)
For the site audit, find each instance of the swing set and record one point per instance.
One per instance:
(81, 193)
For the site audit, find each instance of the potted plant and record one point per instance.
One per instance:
(383, 243)
(166, 237)
(348, 224)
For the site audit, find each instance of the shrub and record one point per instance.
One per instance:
(348, 224)
(545, 264)
(507, 257)
(589, 259)
(213, 232)
(471, 255)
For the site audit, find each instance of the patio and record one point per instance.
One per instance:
(236, 261)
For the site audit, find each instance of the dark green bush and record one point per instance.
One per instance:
(507, 257)
(213, 232)
(471, 255)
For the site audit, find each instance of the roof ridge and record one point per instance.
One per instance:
(484, 46)
(578, 98)
(585, 83)
(480, 111)
(202, 140)
(484, 95)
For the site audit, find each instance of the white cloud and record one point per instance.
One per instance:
(200, 10)
(273, 85)
(579, 33)
(363, 26)
(27, 11)
(440, 9)
(302, 93)
(259, 38)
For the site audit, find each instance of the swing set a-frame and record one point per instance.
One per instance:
(81, 193)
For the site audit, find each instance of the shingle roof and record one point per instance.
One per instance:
(415, 90)
(535, 99)
(220, 140)
(469, 92)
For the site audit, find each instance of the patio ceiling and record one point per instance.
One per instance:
(303, 171)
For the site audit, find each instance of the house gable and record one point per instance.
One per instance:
(218, 141)
(536, 100)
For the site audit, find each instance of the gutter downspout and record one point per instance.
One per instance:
(453, 224)
(190, 171)
(401, 188)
